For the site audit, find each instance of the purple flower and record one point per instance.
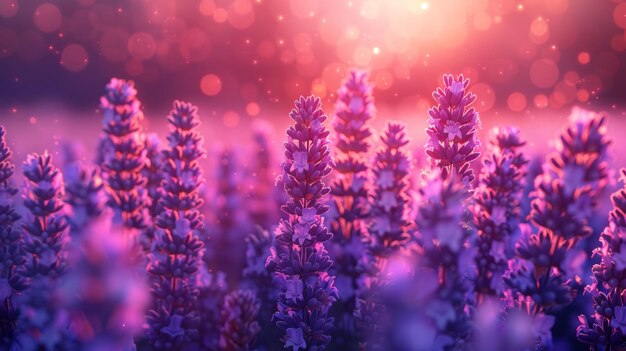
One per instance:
(295, 339)
(105, 298)
(239, 327)
(45, 231)
(84, 195)
(353, 112)
(11, 252)
(173, 318)
(304, 260)
(497, 208)
(123, 153)
(608, 325)
(452, 126)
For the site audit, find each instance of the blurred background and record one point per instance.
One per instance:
(530, 61)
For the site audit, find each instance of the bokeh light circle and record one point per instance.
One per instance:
(8, 8)
(583, 58)
(142, 46)
(211, 85)
(230, 119)
(252, 109)
(544, 73)
(485, 96)
(516, 102)
(74, 58)
(47, 17)
(619, 15)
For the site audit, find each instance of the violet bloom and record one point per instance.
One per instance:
(229, 223)
(608, 323)
(174, 264)
(153, 172)
(257, 278)
(239, 321)
(303, 317)
(42, 321)
(427, 304)
(123, 154)
(84, 190)
(543, 280)
(11, 252)
(451, 130)
(388, 227)
(104, 298)
(354, 110)
(497, 213)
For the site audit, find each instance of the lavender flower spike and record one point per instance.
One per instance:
(45, 241)
(497, 212)
(451, 130)
(11, 253)
(123, 152)
(239, 325)
(176, 260)
(388, 227)
(299, 259)
(608, 323)
(349, 194)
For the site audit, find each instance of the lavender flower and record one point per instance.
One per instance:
(299, 259)
(388, 226)
(84, 196)
(607, 330)
(11, 252)
(153, 172)
(349, 206)
(43, 322)
(497, 210)
(262, 282)
(229, 224)
(212, 292)
(174, 264)
(122, 151)
(451, 130)
(542, 281)
(239, 326)
(105, 300)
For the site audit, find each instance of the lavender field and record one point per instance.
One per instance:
(306, 176)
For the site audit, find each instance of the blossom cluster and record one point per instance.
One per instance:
(388, 256)
(299, 259)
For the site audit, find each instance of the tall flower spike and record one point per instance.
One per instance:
(122, 150)
(435, 300)
(153, 172)
(229, 224)
(239, 324)
(354, 110)
(84, 190)
(497, 213)
(176, 259)
(299, 259)
(451, 130)
(261, 281)
(582, 151)
(388, 226)
(542, 280)
(45, 242)
(104, 298)
(11, 252)
(608, 323)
